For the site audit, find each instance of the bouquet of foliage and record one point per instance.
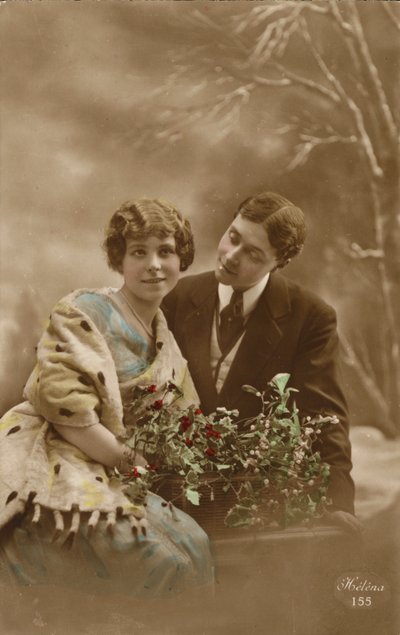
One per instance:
(268, 462)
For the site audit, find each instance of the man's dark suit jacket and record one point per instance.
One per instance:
(291, 331)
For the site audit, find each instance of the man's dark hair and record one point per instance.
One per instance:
(281, 219)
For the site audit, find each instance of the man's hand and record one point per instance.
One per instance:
(345, 520)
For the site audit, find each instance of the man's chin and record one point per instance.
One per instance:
(222, 276)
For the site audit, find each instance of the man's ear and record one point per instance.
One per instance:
(282, 264)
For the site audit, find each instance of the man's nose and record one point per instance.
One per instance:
(234, 254)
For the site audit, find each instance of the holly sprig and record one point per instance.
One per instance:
(283, 477)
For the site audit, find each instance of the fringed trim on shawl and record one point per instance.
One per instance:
(36, 513)
(92, 522)
(172, 510)
(76, 519)
(138, 525)
(111, 520)
(59, 523)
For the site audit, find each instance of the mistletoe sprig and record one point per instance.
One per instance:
(269, 462)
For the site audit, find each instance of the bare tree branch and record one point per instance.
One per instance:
(351, 358)
(395, 21)
(350, 105)
(372, 73)
(310, 142)
(274, 39)
(344, 26)
(393, 355)
(198, 19)
(346, 30)
(307, 83)
(358, 252)
(259, 15)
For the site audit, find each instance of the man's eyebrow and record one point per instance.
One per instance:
(254, 248)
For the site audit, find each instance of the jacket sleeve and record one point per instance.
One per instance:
(169, 305)
(316, 376)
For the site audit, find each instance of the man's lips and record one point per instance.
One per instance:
(225, 268)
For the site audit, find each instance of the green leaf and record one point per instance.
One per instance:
(280, 382)
(251, 390)
(192, 496)
(196, 468)
(238, 516)
(191, 478)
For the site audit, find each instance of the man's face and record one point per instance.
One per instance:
(244, 254)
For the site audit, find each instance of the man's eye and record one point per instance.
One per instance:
(234, 238)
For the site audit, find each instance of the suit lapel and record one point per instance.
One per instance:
(262, 335)
(197, 334)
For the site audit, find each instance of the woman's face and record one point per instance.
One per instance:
(150, 267)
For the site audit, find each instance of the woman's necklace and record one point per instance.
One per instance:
(148, 331)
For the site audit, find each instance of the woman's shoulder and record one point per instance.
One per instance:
(88, 298)
(95, 303)
(164, 336)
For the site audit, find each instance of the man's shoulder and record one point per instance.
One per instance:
(301, 296)
(188, 291)
(195, 281)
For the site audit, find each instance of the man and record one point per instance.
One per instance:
(244, 323)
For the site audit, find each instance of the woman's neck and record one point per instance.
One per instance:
(144, 311)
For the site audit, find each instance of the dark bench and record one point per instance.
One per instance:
(282, 582)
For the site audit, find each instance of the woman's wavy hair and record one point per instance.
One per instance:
(283, 222)
(141, 219)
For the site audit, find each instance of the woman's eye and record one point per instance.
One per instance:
(138, 252)
(166, 251)
(234, 238)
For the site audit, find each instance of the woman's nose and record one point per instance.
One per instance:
(154, 263)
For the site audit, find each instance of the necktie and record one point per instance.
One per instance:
(231, 322)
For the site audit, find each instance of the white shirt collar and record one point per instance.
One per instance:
(250, 296)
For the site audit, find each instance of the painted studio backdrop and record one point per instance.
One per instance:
(204, 103)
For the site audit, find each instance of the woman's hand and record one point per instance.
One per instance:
(129, 458)
(101, 445)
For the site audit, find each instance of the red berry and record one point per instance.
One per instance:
(185, 423)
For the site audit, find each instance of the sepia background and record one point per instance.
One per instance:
(203, 104)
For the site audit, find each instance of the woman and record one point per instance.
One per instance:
(59, 447)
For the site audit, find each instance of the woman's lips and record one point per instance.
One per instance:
(154, 280)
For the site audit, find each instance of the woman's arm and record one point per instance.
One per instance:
(101, 445)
